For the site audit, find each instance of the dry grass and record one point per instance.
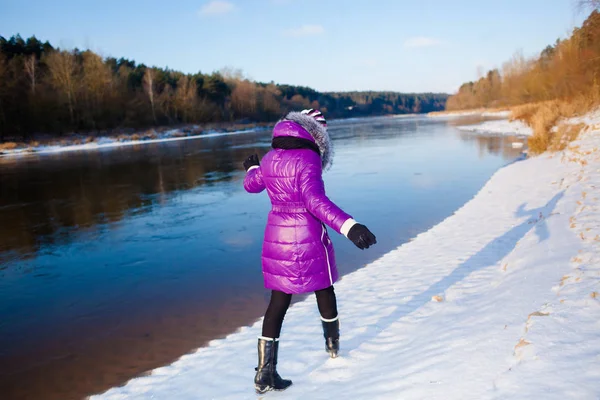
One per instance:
(149, 134)
(524, 112)
(123, 137)
(538, 314)
(522, 343)
(565, 134)
(543, 117)
(8, 146)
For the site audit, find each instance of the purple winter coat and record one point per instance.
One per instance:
(297, 255)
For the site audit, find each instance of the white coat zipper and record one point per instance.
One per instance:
(326, 252)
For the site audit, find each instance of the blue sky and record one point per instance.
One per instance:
(408, 46)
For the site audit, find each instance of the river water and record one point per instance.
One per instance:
(117, 261)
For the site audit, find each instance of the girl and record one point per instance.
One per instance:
(297, 255)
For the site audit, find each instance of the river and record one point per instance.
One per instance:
(117, 261)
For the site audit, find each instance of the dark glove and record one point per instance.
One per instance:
(251, 161)
(361, 236)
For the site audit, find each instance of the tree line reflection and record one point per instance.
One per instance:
(49, 200)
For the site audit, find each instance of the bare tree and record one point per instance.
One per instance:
(271, 100)
(232, 74)
(150, 89)
(243, 99)
(97, 77)
(30, 70)
(165, 103)
(97, 83)
(62, 66)
(185, 98)
(299, 101)
(584, 5)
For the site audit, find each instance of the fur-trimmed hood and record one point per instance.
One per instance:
(303, 126)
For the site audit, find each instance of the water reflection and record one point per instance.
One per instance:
(47, 200)
(489, 143)
(497, 145)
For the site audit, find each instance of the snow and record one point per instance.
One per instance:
(499, 114)
(107, 142)
(470, 113)
(590, 119)
(499, 127)
(499, 301)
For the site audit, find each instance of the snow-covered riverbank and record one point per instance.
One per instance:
(501, 300)
(91, 143)
(131, 140)
(499, 127)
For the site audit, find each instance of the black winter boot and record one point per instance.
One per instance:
(267, 377)
(331, 332)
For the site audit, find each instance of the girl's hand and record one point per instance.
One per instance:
(251, 161)
(361, 236)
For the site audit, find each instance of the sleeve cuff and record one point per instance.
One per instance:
(346, 226)
(251, 168)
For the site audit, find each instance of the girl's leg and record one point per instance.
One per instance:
(329, 318)
(278, 306)
(327, 303)
(266, 377)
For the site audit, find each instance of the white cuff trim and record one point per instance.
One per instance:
(268, 338)
(330, 320)
(251, 168)
(346, 226)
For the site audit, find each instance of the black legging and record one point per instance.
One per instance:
(280, 302)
